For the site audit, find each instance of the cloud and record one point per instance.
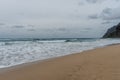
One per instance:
(1, 24)
(81, 3)
(87, 28)
(94, 1)
(31, 30)
(62, 29)
(107, 11)
(60, 16)
(117, 0)
(93, 16)
(107, 14)
(110, 14)
(31, 25)
(18, 26)
(106, 22)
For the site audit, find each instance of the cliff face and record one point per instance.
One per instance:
(113, 32)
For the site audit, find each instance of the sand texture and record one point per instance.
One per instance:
(98, 64)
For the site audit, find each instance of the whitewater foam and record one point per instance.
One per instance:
(18, 52)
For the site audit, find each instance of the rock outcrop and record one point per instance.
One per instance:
(113, 32)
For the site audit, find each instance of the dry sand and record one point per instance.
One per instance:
(98, 64)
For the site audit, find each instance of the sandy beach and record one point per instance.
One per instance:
(98, 64)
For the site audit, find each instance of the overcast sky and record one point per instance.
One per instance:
(57, 18)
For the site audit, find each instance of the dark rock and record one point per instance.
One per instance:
(113, 32)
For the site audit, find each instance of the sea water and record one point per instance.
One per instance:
(18, 51)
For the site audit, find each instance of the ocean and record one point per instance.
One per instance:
(18, 51)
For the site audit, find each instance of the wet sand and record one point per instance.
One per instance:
(98, 64)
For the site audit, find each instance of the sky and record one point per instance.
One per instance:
(57, 18)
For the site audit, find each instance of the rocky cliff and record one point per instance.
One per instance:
(113, 32)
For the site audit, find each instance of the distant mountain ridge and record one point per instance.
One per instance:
(113, 32)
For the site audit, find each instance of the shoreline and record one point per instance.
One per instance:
(31, 62)
(63, 68)
(44, 60)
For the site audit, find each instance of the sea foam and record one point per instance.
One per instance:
(14, 52)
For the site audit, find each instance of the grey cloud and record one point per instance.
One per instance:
(110, 14)
(107, 11)
(106, 22)
(55, 15)
(18, 26)
(117, 0)
(94, 1)
(93, 16)
(107, 14)
(80, 3)
(87, 28)
(2, 23)
(62, 29)
(31, 30)
(31, 25)
(83, 2)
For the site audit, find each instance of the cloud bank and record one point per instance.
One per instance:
(57, 18)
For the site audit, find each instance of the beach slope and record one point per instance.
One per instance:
(98, 64)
